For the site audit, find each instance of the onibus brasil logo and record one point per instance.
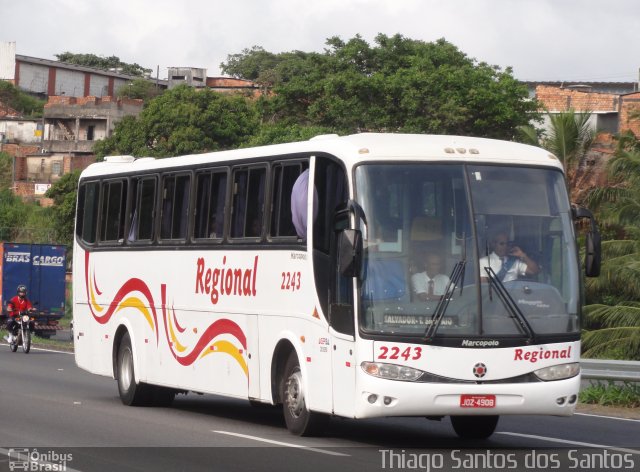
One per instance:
(21, 458)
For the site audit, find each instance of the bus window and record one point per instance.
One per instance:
(143, 197)
(175, 206)
(284, 178)
(88, 198)
(211, 192)
(248, 202)
(113, 211)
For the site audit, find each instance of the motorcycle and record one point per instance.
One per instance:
(22, 330)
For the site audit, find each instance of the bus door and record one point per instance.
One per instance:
(342, 331)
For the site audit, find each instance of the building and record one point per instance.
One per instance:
(191, 76)
(613, 108)
(45, 77)
(73, 125)
(610, 111)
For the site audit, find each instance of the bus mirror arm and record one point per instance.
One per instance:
(350, 252)
(592, 259)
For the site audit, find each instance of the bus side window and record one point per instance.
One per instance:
(211, 192)
(175, 206)
(114, 200)
(284, 177)
(87, 216)
(143, 196)
(248, 202)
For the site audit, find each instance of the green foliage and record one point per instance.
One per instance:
(23, 103)
(64, 193)
(23, 222)
(11, 209)
(184, 120)
(398, 85)
(612, 331)
(104, 63)
(625, 394)
(251, 64)
(6, 171)
(141, 89)
(620, 271)
(281, 133)
(570, 137)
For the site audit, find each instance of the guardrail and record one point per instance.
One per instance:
(599, 369)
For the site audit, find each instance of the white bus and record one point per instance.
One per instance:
(204, 273)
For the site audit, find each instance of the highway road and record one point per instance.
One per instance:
(63, 418)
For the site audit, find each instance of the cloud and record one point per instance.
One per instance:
(540, 39)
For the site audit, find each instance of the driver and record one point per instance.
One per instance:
(18, 304)
(508, 262)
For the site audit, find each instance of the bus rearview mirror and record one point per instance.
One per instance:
(592, 254)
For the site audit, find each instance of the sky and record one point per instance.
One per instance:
(555, 40)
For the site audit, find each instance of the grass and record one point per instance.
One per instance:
(610, 393)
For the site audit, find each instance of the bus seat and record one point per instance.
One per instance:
(386, 279)
(426, 228)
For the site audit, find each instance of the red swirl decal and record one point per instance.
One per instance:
(222, 326)
(130, 286)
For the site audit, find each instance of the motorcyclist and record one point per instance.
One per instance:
(18, 304)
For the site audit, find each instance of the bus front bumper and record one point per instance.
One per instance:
(378, 397)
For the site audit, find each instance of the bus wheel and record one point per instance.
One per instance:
(131, 393)
(474, 427)
(298, 418)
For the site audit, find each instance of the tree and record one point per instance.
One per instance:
(280, 133)
(183, 120)
(23, 103)
(618, 333)
(398, 85)
(569, 137)
(6, 171)
(612, 327)
(64, 194)
(104, 63)
(141, 89)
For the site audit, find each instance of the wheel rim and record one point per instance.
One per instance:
(126, 369)
(26, 341)
(294, 394)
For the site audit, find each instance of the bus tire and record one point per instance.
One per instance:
(474, 427)
(131, 393)
(299, 420)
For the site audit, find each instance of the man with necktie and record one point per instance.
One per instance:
(508, 262)
(430, 284)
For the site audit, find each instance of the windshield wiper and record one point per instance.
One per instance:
(510, 304)
(457, 274)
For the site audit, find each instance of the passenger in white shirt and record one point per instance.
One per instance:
(508, 262)
(430, 284)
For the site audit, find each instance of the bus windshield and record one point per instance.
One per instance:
(487, 251)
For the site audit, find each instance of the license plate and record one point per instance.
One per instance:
(477, 401)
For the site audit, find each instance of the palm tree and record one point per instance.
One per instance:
(569, 137)
(618, 335)
(613, 329)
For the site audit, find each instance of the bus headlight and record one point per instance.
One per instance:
(391, 371)
(558, 372)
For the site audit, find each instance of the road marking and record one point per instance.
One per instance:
(608, 417)
(566, 441)
(279, 443)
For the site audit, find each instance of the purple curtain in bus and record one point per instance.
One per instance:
(299, 204)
